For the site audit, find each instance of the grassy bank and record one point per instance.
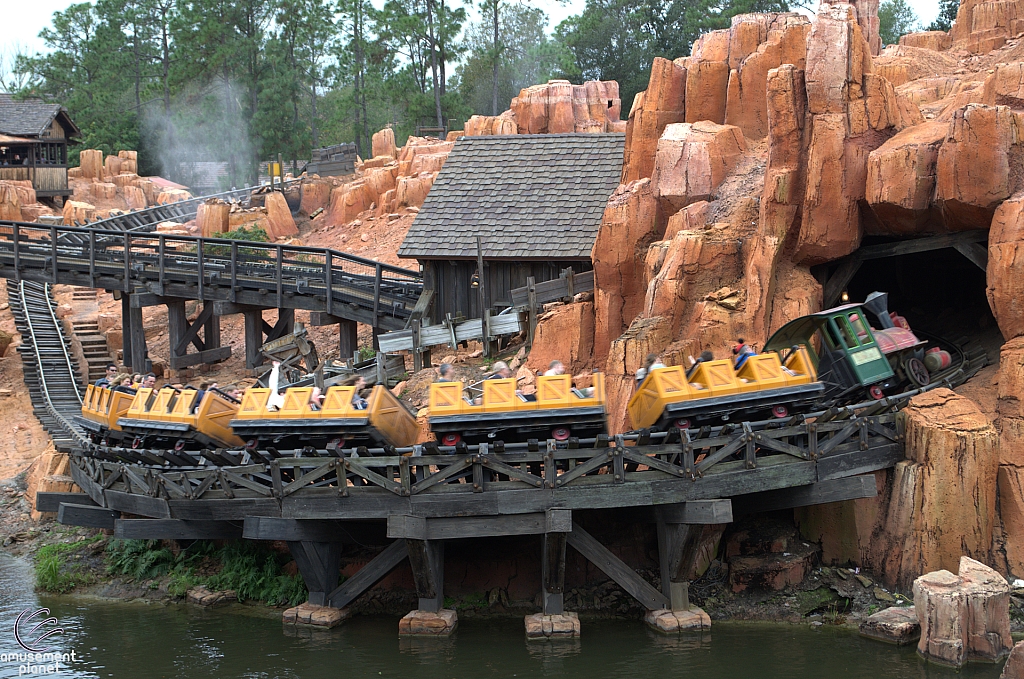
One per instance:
(253, 570)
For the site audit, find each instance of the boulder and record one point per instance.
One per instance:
(172, 196)
(952, 463)
(1005, 270)
(693, 160)
(112, 166)
(896, 625)
(774, 571)
(932, 40)
(212, 218)
(91, 162)
(1014, 667)
(383, 143)
(973, 167)
(280, 223)
(10, 203)
(901, 180)
(963, 617)
(566, 333)
(76, 212)
(559, 107)
(316, 194)
(1005, 86)
(662, 103)
(103, 190)
(628, 227)
(490, 125)
(202, 596)
(1011, 516)
(707, 87)
(412, 191)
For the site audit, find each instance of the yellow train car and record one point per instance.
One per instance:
(556, 411)
(180, 418)
(297, 423)
(767, 385)
(101, 409)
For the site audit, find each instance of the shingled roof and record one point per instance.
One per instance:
(31, 117)
(528, 196)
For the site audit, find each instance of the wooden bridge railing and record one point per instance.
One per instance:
(261, 274)
(837, 448)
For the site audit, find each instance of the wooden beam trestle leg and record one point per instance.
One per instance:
(553, 573)
(318, 563)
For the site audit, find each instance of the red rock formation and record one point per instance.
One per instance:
(91, 162)
(280, 223)
(212, 218)
(383, 143)
(707, 85)
(693, 160)
(963, 617)
(566, 333)
(316, 194)
(487, 125)
(559, 107)
(901, 180)
(867, 17)
(659, 105)
(932, 40)
(1005, 273)
(953, 459)
(10, 203)
(628, 227)
(973, 169)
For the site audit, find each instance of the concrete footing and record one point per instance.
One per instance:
(320, 616)
(564, 626)
(423, 624)
(693, 619)
(896, 625)
(202, 596)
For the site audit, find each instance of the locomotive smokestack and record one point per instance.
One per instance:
(878, 304)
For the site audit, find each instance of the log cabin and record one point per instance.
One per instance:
(34, 138)
(534, 201)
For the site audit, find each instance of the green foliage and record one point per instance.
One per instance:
(895, 18)
(254, 573)
(947, 15)
(54, 573)
(251, 569)
(252, 234)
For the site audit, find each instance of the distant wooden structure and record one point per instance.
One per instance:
(507, 209)
(333, 161)
(34, 137)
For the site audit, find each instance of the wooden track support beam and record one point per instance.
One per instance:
(88, 516)
(176, 529)
(427, 560)
(822, 492)
(552, 569)
(616, 569)
(319, 563)
(50, 502)
(348, 339)
(369, 575)
(683, 529)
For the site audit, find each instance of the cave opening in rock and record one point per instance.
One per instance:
(940, 292)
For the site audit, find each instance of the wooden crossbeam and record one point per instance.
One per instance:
(616, 569)
(368, 575)
(50, 502)
(175, 529)
(88, 516)
(823, 492)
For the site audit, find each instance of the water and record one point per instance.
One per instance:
(141, 640)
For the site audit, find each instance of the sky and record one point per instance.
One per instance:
(28, 18)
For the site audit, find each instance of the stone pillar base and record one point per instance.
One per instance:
(895, 625)
(671, 622)
(310, 614)
(423, 624)
(540, 626)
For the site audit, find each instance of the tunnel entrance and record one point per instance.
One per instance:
(940, 291)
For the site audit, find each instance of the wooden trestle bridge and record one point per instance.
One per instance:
(229, 277)
(422, 496)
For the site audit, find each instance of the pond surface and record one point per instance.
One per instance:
(144, 640)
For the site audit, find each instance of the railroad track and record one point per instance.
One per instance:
(50, 371)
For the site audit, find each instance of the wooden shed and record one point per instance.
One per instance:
(34, 137)
(534, 201)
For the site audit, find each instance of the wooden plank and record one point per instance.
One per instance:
(427, 560)
(175, 529)
(237, 509)
(88, 516)
(50, 502)
(349, 532)
(83, 481)
(447, 528)
(978, 254)
(208, 356)
(834, 490)
(696, 511)
(143, 505)
(554, 289)
(616, 569)
(368, 575)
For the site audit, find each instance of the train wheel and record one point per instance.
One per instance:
(137, 442)
(780, 412)
(681, 423)
(916, 372)
(450, 439)
(875, 392)
(560, 433)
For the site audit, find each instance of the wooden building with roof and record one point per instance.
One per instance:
(34, 138)
(534, 201)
